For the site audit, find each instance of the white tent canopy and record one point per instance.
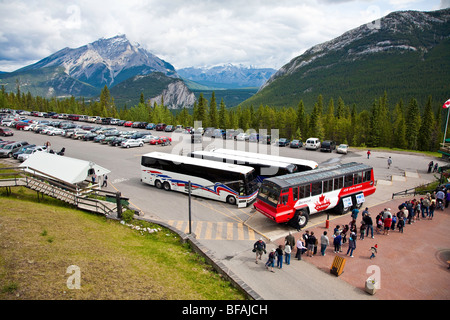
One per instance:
(63, 168)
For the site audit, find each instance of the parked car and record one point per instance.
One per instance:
(254, 137)
(147, 138)
(160, 140)
(22, 150)
(312, 144)
(9, 149)
(6, 132)
(55, 131)
(296, 144)
(169, 128)
(132, 143)
(150, 126)
(117, 141)
(160, 127)
(21, 125)
(283, 142)
(266, 139)
(242, 136)
(342, 148)
(328, 146)
(89, 136)
(128, 124)
(24, 156)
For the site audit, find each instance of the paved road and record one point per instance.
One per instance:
(229, 232)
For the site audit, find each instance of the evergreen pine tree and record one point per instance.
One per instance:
(426, 127)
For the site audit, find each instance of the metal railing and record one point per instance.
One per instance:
(85, 198)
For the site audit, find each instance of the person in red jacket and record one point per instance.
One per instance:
(387, 224)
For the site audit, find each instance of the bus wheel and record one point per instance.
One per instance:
(158, 184)
(299, 220)
(231, 200)
(166, 186)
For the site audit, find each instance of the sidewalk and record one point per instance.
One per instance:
(412, 265)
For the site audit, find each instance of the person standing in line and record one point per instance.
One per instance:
(400, 224)
(300, 247)
(290, 240)
(337, 243)
(259, 247)
(351, 244)
(305, 237)
(369, 224)
(426, 206)
(287, 253)
(387, 225)
(362, 230)
(432, 208)
(324, 243)
(389, 161)
(279, 254)
(311, 244)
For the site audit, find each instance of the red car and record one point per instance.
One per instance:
(21, 125)
(128, 124)
(160, 140)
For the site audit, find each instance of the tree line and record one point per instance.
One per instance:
(402, 125)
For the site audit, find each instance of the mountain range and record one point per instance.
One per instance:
(405, 54)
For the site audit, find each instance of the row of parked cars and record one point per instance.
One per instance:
(100, 134)
(19, 150)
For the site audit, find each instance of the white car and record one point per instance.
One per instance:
(342, 148)
(147, 138)
(55, 131)
(242, 137)
(132, 143)
(312, 144)
(28, 152)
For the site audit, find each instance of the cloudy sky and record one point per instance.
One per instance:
(262, 33)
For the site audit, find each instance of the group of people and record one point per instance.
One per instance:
(409, 212)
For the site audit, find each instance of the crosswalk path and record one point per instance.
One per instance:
(207, 230)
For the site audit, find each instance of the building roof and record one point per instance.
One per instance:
(66, 169)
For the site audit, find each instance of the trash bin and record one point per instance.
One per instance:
(371, 286)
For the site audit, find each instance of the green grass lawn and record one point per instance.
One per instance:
(39, 241)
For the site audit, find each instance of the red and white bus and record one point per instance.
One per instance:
(292, 198)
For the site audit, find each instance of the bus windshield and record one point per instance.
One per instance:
(269, 193)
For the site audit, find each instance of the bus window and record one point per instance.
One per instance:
(304, 191)
(348, 181)
(316, 188)
(295, 193)
(367, 176)
(358, 178)
(327, 186)
(338, 183)
(284, 199)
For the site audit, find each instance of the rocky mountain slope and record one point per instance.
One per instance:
(406, 54)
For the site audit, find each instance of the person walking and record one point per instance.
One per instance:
(105, 181)
(259, 247)
(368, 154)
(279, 254)
(374, 250)
(324, 243)
(271, 260)
(430, 166)
(287, 253)
(389, 162)
(351, 244)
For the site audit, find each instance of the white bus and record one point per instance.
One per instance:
(301, 164)
(263, 168)
(225, 182)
